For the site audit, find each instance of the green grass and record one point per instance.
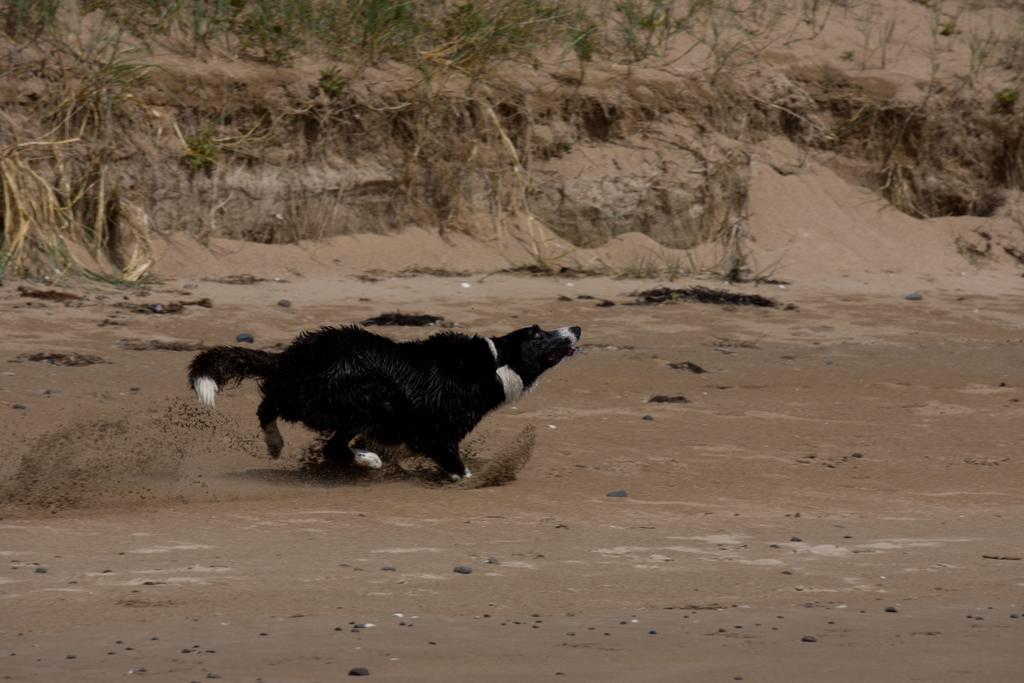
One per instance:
(332, 83)
(466, 35)
(202, 149)
(25, 19)
(1006, 100)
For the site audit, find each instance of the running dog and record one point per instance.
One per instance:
(346, 382)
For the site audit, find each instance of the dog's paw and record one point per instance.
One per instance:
(466, 474)
(367, 459)
(275, 442)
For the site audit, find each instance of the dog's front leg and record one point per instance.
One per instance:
(447, 456)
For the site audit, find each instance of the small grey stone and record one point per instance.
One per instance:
(359, 671)
(619, 493)
(41, 570)
(463, 569)
(891, 610)
(492, 560)
(796, 539)
(914, 296)
(649, 418)
(159, 309)
(388, 568)
(245, 337)
(857, 455)
(284, 303)
(809, 639)
(212, 675)
(20, 406)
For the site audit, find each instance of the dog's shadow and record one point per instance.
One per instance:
(296, 477)
(317, 472)
(400, 465)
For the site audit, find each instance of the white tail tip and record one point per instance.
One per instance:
(206, 390)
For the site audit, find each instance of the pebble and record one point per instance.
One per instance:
(620, 493)
(809, 639)
(649, 418)
(492, 560)
(20, 406)
(284, 303)
(159, 308)
(796, 539)
(212, 675)
(914, 296)
(891, 610)
(857, 455)
(463, 569)
(41, 570)
(359, 671)
(245, 337)
(388, 568)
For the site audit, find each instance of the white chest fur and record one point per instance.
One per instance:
(510, 380)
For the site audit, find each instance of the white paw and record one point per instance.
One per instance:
(367, 459)
(465, 475)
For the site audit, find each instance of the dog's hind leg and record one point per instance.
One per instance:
(337, 452)
(367, 459)
(267, 415)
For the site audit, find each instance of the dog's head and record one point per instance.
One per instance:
(530, 351)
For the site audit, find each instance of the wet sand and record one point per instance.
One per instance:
(849, 471)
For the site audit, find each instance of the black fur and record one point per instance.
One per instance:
(346, 382)
(229, 365)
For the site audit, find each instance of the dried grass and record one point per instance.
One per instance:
(941, 156)
(45, 232)
(37, 228)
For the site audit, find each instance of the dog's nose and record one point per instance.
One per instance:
(576, 332)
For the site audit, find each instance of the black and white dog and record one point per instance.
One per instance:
(346, 382)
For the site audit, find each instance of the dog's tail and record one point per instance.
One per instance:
(222, 365)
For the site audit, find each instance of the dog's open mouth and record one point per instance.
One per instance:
(564, 352)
